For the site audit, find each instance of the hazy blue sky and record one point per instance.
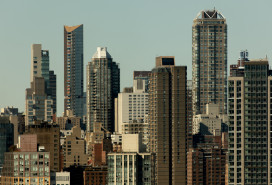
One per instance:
(135, 32)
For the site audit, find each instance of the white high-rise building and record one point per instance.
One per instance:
(131, 105)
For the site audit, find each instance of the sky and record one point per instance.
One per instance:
(135, 32)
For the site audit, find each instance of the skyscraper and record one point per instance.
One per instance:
(167, 120)
(209, 56)
(103, 85)
(249, 109)
(40, 68)
(73, 69)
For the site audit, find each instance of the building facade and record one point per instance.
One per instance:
(209, 55)
(95, 175)
(103, 85)
(40, 101)
(73, 69)
(211, 123)
(142, 75)
(130, 168)
(189, 114)
(40, 66)
(137, 127)
(26, 168)
(168, 120)
(38, 106)
(6, 138)
(249, 105)
(48, 135)
(206, 166)
(74, 148)
(60, 178)
(131, 106)
(68, 120)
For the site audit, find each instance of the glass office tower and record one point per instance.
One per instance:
(73, 69)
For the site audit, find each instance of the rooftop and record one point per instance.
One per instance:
(71, 28)
(101, 53)
(210, 14)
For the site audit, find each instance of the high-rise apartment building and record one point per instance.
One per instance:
(73, 69)
(131, 106)
(103, 85)
(41, 96)
(167, 120)
(40, 68)
(249, 109)
(209, 55)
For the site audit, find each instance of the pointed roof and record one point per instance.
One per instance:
(71, 28)
(210, 14)
(101, 53)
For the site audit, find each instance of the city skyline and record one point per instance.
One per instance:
(134, 30)
(201, 114)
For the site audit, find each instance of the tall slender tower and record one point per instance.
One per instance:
(167, 120)
(209, 56)
(103, 85)
(73, 69)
